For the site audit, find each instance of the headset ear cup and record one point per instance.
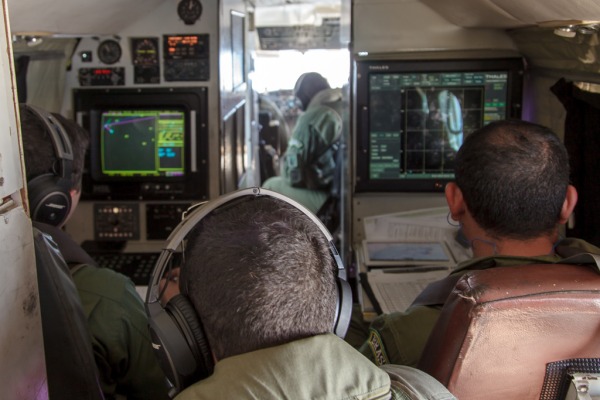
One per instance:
(49, 200)
(184, 313)
(344, 311)
(49, 194)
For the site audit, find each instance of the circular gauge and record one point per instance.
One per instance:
(109, 51)
(189, 11)
(145, 52)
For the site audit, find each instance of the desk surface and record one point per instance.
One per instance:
(394, 285)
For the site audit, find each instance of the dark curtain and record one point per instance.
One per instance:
(21, 66)
(582, 140)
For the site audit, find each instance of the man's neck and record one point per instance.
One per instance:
(485, 247)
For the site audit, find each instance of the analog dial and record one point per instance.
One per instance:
(109, 51)
(145, 51)
(189, 11)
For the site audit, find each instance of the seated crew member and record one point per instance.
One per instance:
(308, 165)
(510, 196)
(115, 313)
(261, 280)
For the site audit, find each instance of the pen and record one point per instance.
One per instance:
(415, 268)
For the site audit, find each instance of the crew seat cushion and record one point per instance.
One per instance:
(500, 327)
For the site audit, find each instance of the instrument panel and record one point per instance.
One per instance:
(183, 57)
(145, 57)
(186, 57)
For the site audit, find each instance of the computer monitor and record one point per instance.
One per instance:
(145, 144)
(140, 144)
(412, 117)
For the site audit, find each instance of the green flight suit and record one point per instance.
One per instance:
(119, 331)
(319, 367)
(307, 166)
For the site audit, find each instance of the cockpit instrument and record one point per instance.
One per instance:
(145, 51)
(109, 51)
(189, 11)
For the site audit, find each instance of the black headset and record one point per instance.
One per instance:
(176, 330)
(49, 194)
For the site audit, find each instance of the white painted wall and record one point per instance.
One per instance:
(22, 363)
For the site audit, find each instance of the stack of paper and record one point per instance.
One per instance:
(402, 253)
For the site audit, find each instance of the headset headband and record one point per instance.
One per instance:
(203, 209)
(60, 140)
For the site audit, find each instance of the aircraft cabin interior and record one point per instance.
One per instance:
(187, 100)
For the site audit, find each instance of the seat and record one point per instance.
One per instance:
(517, 332)
(70, 364)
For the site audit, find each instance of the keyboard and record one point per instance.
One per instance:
(137, 266)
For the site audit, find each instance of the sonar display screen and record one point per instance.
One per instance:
(412, 116)
(142, 143)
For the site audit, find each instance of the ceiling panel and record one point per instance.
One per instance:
(77, 16)
(513, 13)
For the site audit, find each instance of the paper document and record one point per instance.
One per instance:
(405, 251)
(429, 225)
(395, 291)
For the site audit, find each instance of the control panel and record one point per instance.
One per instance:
(186, 57)
(123, 222)
(161, 219)
(113, 76)
(116, 222)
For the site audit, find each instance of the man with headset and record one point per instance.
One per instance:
(308, 165)
(264, 305)
(54, 149)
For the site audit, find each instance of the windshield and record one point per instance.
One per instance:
(279, 70)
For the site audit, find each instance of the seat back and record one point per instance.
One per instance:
(70, 363)
(501, 327)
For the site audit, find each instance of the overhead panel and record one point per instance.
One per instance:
(299, 27)
(325, 36)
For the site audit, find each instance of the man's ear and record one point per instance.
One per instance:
(456, 203)
(568, 204)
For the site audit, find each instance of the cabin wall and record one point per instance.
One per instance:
(22, 359)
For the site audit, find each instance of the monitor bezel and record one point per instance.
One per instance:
(514, 66)
(193, 185)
